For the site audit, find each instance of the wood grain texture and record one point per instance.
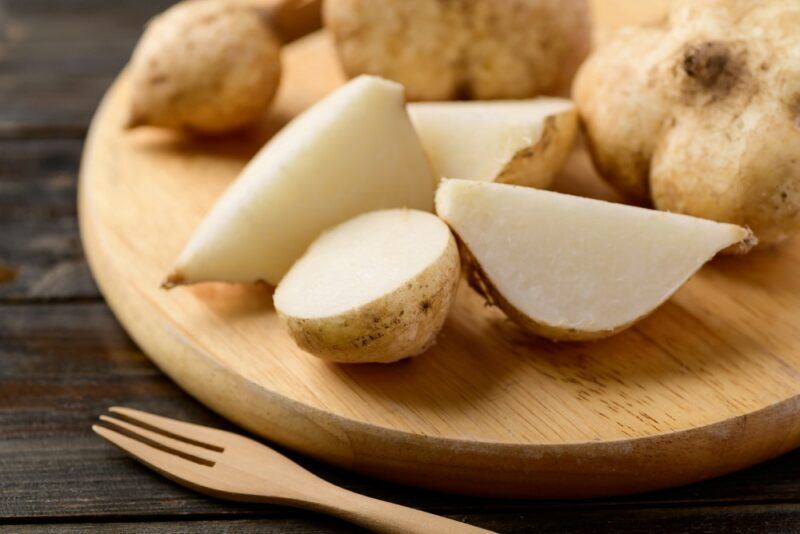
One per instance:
(737, 520)
(706, 385)
(41, 257)
(62, 364)
(57, 57)
(311, 525)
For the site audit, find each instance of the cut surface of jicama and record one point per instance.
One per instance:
(525, 142)
(568, 267)
(376, 288)
(354, 151)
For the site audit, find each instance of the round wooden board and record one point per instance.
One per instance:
(706, 385)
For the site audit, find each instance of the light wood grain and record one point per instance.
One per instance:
(706, 385)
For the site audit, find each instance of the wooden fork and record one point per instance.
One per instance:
(230, 466)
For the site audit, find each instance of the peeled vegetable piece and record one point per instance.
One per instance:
(354, 151)
(572, 268)
(523, 142)
(376, 288)
(701, 114)
(205, 66)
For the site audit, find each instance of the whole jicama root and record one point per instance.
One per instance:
(702, 112)
(213, 66)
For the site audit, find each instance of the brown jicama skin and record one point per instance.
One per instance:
(205, 66)
(702, 113)
(481, 49)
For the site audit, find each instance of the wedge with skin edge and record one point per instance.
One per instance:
(573, 268)
(354, 151)
(524, 142)
(376, 288)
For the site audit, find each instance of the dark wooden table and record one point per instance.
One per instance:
(64, 358)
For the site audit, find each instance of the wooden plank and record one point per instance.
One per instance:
(43, 260)
(57, 57)
(312, 523)
(780, 518)
(62, 365)
(40, 251)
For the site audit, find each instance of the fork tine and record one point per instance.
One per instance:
(191, 452)
(169, 465)
(203, 436)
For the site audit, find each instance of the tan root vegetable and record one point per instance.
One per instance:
(212, 66)
(524, 142)
(376, 288)
(352, 152)
(702, 113)
(482, 49)
(608, 16)
(573, 268)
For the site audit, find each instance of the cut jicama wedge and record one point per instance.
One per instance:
(376, 288)
(524, 142)
(573, 268)
(354, 151)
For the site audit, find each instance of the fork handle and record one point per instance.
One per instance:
(384, 517)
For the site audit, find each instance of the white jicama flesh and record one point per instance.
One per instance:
(376, 288)
(354, 151)
(573, 268)
(524, 142)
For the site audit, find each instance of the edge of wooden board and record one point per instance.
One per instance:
(568, 470)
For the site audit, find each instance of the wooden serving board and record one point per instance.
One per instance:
(708, 384)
